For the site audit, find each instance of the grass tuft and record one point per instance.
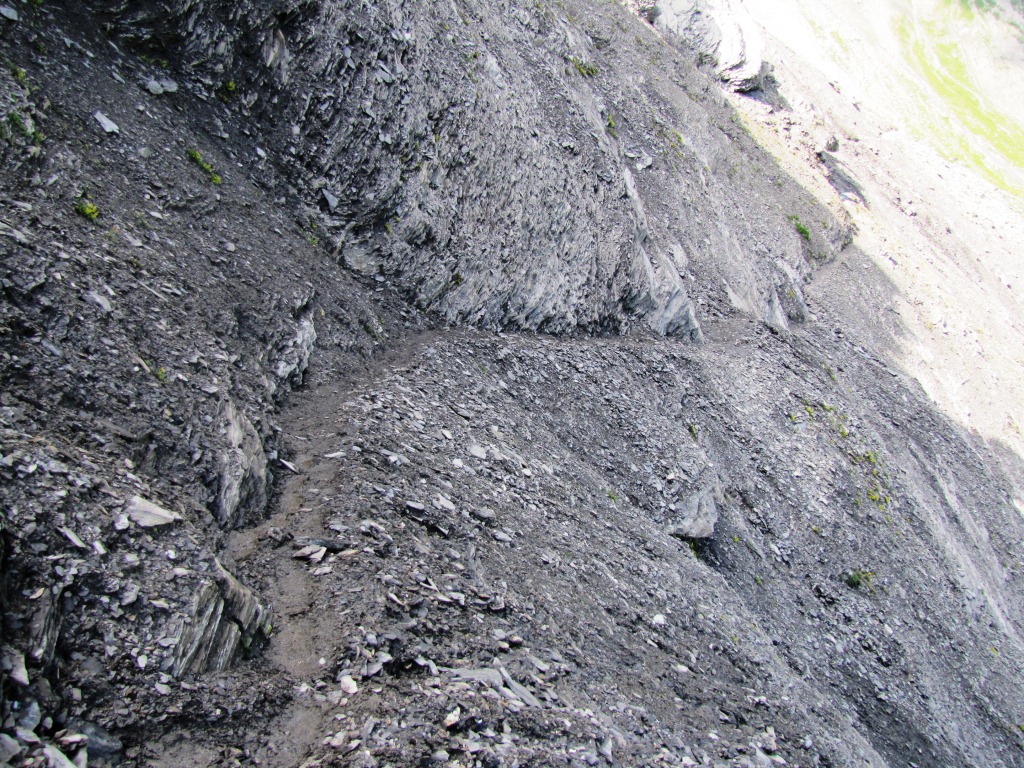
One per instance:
(203, 163)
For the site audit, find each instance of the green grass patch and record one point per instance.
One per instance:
(800, 227)
(199, 160)
(935, 55)
(87, 209)
(226, 91)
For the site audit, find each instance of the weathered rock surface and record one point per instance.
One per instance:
(695, 518)
(547, 228)
(720, 31)
(224, 616)
(471, 560)
(149, 515)
(243, 469)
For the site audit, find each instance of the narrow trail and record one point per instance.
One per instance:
(471, 563)
(305, 639)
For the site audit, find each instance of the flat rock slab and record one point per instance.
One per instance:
(146, 514)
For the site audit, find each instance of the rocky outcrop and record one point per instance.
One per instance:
(225, 616)
(723, 33)
(696, 515)
(243, 469)
(487, 163)
(294, 357)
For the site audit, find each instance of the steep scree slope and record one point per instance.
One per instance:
(496, 160)
(206, 203)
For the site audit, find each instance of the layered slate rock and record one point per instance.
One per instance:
(501, 167)
(225, 615)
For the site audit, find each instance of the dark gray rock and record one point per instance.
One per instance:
(573, 232)
(102, 744)
(225, 616)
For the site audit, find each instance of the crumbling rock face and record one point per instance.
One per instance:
(695, 518)
(272, 190)
(151, 322)
(491, 162)
(294, 357)
(721, 31)
(243, 469)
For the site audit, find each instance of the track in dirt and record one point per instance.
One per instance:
(471, 562)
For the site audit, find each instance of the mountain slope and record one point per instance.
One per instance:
(239, 240)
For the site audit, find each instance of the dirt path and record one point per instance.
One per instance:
(471, 566)
(305, 641)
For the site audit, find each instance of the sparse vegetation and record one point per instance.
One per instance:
(674, 139)
(878, 496)
(866, 461)
(800, 227)
(985, 138)
(859, 578)
(585, 68)
(17, 123)
(86, 208)
(226, 91)
(838, 420)
(162, 63)
(867, 457)
(878, 491)
(199, 160)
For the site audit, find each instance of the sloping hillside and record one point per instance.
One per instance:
(467, 383)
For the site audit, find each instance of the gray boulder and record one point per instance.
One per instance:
(697, 515)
